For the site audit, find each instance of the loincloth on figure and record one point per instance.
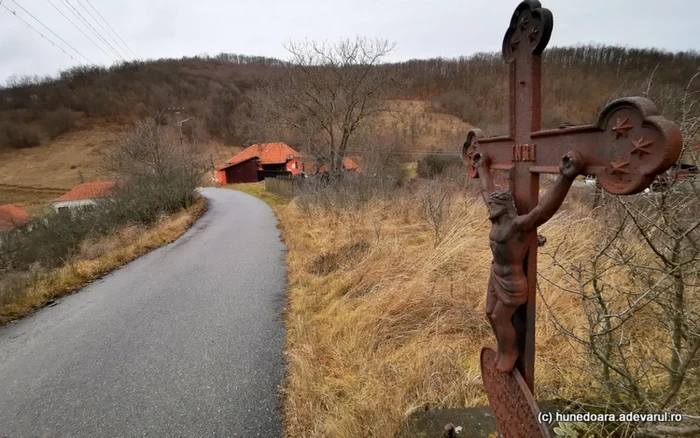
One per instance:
(511, 292)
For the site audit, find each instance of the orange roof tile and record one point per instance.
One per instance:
(89, 190)
(351, 165)
(227, 164)
(12, 216)
(267, 153)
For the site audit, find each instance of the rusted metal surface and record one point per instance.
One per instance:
(513, 405)
(626, 148)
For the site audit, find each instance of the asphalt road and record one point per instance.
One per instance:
(186, 341)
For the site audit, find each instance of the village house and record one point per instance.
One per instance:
(83, 196)
(311, 168)
(260, 161)
(12, 216)
(271, 160)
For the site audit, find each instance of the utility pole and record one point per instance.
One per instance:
(179, 125)
(176, 111)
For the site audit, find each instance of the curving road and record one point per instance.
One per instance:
(186, 341)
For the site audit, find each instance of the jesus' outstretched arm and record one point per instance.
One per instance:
(571, 165)
(487, 186)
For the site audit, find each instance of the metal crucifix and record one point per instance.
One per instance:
(628, 146)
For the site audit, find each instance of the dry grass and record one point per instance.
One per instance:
(56, 163)
(33, 199)
(96, 258)
(33, 177)
(258, 190)
(382, 322)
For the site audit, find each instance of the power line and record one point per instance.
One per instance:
(91, 27)
(102, 27)
(55, 34)
(42, 35)
(115, 32)
(81, 31)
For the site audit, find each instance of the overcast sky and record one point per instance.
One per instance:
(421, 28)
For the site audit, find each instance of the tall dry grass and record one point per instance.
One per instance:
(383, 322)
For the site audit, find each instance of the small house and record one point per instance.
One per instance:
(12, 216)
(311, 167)
(260, 161)
(84, 195)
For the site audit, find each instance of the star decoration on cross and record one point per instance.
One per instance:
(533, 34)
(514, 44)
(620, 166)
(641, 146)
(523, 23)
(622, 127)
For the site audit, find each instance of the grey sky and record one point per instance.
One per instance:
(421, 28)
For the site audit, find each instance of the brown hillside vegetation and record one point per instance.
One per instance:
(219, 91)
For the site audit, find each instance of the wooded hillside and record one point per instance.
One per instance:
(577, 82)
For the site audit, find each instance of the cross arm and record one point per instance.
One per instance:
(628, 146)
(496, 152)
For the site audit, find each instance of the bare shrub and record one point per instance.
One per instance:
(347, 191)
(59, 122)
(156, 175)
(436, 199)
(19, 136)
(641, 298)
(438, 164)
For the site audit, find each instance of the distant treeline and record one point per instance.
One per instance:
(577, 82)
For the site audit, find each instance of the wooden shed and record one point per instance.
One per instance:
(243, 172)
(260, 161)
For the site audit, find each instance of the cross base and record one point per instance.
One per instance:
(512, 402)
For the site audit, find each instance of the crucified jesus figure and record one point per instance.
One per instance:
(508, 287)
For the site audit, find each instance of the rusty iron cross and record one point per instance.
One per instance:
(626, 148)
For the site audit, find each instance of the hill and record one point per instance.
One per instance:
(577, 81)
(52, 129)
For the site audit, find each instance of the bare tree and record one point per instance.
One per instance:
(329, 92)
(150, 162)
(641, 295)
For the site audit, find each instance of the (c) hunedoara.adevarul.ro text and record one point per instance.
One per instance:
(590, 417)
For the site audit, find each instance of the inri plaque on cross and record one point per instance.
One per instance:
(628, 146)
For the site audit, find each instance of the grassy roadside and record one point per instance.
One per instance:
(96, 258)
(258, 190)
(382, 321)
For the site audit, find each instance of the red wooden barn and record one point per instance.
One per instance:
(260, 161)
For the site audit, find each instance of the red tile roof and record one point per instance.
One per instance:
(267, 153)
(227, 165)
(12, 216)
(351, 165)
(89, 190)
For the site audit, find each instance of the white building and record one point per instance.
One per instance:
(83, 195)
